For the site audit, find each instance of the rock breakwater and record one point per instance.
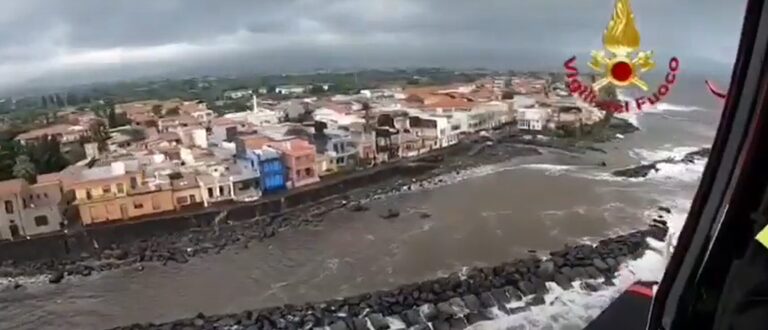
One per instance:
(451, 302)
(642, 171)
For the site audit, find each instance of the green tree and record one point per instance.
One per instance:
(9, 150)
(157, 110)
(46, 155)
(112, 117)
(316, 90)
(173, 111)
(99, 134)
(25, 169)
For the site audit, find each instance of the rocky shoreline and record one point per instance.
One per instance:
(452, 302)
(643, 170)
(179, 247)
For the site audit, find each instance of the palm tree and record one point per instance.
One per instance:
(25, 169)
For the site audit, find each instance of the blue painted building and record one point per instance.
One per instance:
(269, 164)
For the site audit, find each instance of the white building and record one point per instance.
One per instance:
(236, 94)
(434, 130)
(336, 119)
(290, 89)
(534, 119)
(489, 115)
(258, 116)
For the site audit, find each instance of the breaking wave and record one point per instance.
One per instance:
(666, 152)
(575, 308)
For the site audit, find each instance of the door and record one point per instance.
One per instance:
(15, 233)
(124, 211)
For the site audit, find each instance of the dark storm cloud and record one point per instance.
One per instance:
(115, 39)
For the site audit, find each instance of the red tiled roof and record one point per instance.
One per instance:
(51, 130)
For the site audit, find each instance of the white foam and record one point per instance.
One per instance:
(684, 172)
(575, 308)
(626, 95)
(665, 152)
(663, 106)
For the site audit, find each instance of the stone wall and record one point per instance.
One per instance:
(451, 302)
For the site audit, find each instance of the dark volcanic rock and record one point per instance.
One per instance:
(486, 300)
(563, 281)
(472, 303)
(428, 311)
(378, 322)
(526, 288)
(358, 207)
(56, 277)
(473, 318)
(458, 323)
(412, 317)
(643, 170)
(537, 300)
(500, 296)
(639, 171)
(441, 325)
(447, 303)
(600, 265)
(390, 214)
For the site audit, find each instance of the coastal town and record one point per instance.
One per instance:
(169, 156)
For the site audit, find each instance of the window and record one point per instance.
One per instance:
(9, 207)
(192, 199)
(24, 203)
(120, 188)
(45, 195)
(298, 173)
(106, 189)
(88, 194)
(41, 220)
(308, 172)
(155, 203)
(210, 192)
(182, 200)
(138, 205)
(221, 190)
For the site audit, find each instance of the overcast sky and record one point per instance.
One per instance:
(51, 41)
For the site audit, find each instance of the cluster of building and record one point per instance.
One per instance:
(178, 154)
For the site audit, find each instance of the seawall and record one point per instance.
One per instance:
(91, 239)
(452, 302)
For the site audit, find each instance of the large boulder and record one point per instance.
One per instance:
(472, 303)
(546, 270)
(378, 322)
(412, 317)
(428, 312)
(600, 265)
(500, 296)
(563, 281)
(486, 300)
(56, 277)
